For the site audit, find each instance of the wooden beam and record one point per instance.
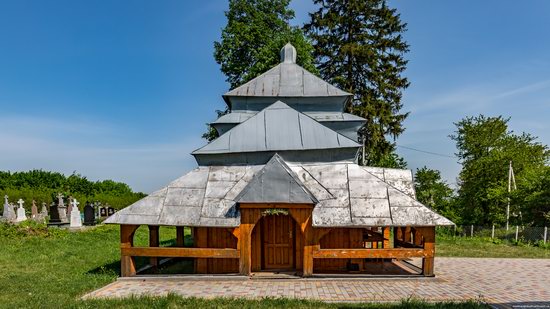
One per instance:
(154, 242)
(201, 241)
(182, 252)
(127, 263)
(249, 218)
(283, 206)
(367, 253)
(180, 236)
(429, 247)
(386, 232)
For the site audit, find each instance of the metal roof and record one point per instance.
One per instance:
(238, 117)
(346, 194)
(287, 79)
(277, 128)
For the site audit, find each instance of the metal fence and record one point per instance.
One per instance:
(513, 233)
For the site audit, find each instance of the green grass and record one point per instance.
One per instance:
(485, 247)
(50, 268)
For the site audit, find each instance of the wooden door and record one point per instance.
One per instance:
(278, 242)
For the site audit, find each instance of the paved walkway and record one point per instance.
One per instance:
(523, 282)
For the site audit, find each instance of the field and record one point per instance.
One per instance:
(53, 268)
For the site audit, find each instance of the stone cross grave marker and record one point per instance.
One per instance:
(44, 210)
(69, 205)
(89, 215)
(21, 216)
(34, 210)
(76, 220)
(8, 213)
(61, 209)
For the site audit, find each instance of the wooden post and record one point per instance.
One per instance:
(249, 218)
(180, 236)
(397, 235)
(309, 246)
(471, 231)
(429, 250)
(127, 263)
(407, 236)
(386, 232)
(545, 233)
(201, 241)
(417, 240)
(154, 242)
(517, 232)
(493, 232)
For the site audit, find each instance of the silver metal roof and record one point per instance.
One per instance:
(287, 79)
(238, 117)
(277, 128)
(346, 194)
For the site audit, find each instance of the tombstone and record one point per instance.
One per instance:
(34, 210)
(21, 216)
(103, 211)
(110, 211)
(76, 220)
(61, 209)
(89, 215)
(8, 213)
(69, 205)
(54, 214)
(44, 211)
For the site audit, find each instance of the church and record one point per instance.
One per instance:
(280, 190)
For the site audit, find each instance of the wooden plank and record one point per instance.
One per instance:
(180, 236)
(284, 206)
(182, 252)
(407, 234)
(249, 218)
(428, 234)
(367, 253)
(201, 241)
(153, 242)
(127, 263)
(386, 232)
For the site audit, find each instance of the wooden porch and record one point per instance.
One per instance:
(256, 245)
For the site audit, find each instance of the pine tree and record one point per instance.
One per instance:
(256, 30)
(358, 46)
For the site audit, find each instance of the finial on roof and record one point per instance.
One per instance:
(288, 54)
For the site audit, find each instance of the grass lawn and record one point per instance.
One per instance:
(53, 268)
(485, 247)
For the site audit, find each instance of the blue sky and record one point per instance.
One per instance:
(122, 89)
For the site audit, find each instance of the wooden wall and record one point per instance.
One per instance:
(339, 238)
(210, 237)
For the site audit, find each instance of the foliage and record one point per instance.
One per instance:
(29, 228)
(391, 160)
(485, 149)
(274, 212)
(487, 248)
(359, 47)
(435, 193)
(43, 186)
(250, 43)
(256, 30)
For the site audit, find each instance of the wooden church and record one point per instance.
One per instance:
(280, 190)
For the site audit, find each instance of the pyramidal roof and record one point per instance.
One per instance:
(276, 183)
(277, 128)
(287, 79)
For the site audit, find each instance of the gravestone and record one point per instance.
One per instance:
(44, 211)
(76, 220)
(61, 209)
(89, 215)
(34, 210)
(69, 205)
(110, 211)
(9, 213)
(54, 214)
(103, 211)
(21, 216)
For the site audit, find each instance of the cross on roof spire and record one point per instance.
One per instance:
(288, 54)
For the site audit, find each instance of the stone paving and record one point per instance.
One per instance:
(519, 282)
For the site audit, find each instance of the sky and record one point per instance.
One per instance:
(122, 90)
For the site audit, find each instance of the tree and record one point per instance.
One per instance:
(358, 46)
(435, 193)
(256, 31)
(485, 149)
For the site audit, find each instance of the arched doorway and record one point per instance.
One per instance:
(276, 244)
